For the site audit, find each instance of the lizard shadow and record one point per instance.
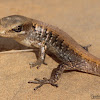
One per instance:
(9, 44)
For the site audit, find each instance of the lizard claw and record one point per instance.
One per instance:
(42, 82)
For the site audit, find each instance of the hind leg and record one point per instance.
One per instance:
(86, 47)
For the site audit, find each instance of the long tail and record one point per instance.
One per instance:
(90, 67)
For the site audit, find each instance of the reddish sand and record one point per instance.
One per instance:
(81, 20)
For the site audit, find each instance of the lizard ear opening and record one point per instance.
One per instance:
(18, 29)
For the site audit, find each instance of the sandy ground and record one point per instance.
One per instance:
(81, 20)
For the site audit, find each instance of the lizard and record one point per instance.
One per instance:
(48, 38)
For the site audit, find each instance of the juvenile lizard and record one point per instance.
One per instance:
(47, 38)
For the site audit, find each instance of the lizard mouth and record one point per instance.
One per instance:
(6, 34)
(11, 34)
(2, 33)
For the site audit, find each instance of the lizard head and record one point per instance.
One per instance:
(15, 25)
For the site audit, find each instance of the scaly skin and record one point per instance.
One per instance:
(47, 38)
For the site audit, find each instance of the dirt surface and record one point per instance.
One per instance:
(81, 20)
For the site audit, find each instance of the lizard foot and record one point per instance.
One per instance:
(37, 63)
(42, 82)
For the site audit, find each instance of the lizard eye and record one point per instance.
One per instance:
(17, 29)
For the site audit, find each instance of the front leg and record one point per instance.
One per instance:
(41, 58)
(56, 73)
